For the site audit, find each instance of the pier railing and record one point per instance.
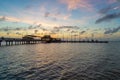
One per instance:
(10, 42)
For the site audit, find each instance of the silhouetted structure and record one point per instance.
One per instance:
(48, 39)
(29, 39)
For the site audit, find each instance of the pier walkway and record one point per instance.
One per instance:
(10, 42)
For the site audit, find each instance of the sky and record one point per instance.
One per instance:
(99, 19)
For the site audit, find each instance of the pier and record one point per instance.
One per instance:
(37, 41)
(10, 42)
(45, 39)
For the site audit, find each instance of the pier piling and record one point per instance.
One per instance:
(10, 42)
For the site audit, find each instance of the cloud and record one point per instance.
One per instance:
(112, 1)
(73, 31)
(111, 31)
(11, 19)
(30, 27)
(8, 33)
(55, 29)
(66, 17)
(2, 18)
(71, 4)
(18, 29)
(18, 33)
(71, 27)
(111, 7)
(105, 10)
(10, 29)
(35, 31)
(6, 29)
(110, 12)
(82, 32)
(67, 28)
(56, 15)
(92, 35)
(75, 4)
(46, 14)
(108, 17)
(38, 26)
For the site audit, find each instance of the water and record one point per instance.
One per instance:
(60, 61)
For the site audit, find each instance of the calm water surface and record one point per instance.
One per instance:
(60, 61)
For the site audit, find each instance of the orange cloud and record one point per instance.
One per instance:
(8, 18)
(66, 17)
(75, 4)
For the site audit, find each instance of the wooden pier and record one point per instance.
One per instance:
(85, 41)
(10, 42)
(28, 39)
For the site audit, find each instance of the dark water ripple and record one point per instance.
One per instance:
(60, 62)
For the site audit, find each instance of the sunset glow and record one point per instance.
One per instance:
(81, 18)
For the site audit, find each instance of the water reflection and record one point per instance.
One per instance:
(62, 61)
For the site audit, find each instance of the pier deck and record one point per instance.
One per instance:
(10, 42)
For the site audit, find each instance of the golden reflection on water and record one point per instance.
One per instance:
(60, 61)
